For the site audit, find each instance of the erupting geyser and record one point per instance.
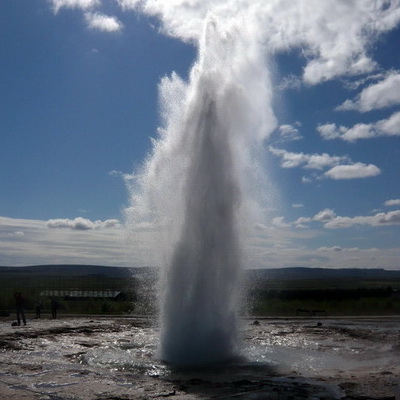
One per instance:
(197, 189)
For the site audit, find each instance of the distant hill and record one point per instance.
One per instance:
(274, 274)
(76, 270)
(301, 273)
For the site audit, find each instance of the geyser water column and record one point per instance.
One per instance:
(198, 184)
(199, 305)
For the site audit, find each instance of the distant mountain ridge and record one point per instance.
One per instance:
(299, 273)
(296, 273)
(76, 270)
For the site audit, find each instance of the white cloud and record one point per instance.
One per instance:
(30, 242)
(280, 248)
(353, 171)
(17, 234)
(81, 4)
(307, 161)
(129, 4)
(334, 35)
(269, 247)
(80, 223)
(290, 82)
(324, 215)
(331, 220)
(127, 178)
(279, 222)
(380, 219)
(385, 93)
(358, 131)
(103, 22)
(389, 126)
(394, 202)
(384, 127)
(289, 132)
(334, 38)
(333, 248)
(301, 222)
(328, 131)
(339, 167)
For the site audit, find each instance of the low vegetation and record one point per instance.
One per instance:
(265, 295)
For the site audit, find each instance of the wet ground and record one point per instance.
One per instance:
(116, 359)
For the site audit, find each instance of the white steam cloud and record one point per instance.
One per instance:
(333, 36)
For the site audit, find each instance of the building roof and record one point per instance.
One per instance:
(99, 294)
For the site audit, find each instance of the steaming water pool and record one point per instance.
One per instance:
(81, 358)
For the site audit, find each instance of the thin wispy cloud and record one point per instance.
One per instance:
(127, 178)
(297, 205)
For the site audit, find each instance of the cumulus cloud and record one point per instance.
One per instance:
(94, 20)
(339, 167)
(80, 223)
(103, 22)
(331, 220)
(328, 131)
(394, 202)
(80, 4)
(289, 132)
(30, 242)
(302, 222)
(384, 127)
(279, 222)
(324, 215)
(307, 161)
(353, 171)
(380, 219)
(383, 94)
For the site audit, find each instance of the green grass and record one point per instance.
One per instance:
(365, 306)
(267, 298)
(32, 286)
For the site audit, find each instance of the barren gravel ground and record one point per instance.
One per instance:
(116, 359)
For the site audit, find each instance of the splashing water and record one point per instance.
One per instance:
(197, 189)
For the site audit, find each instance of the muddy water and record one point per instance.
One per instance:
(116, 358)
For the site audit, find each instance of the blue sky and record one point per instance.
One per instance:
(79, 104)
